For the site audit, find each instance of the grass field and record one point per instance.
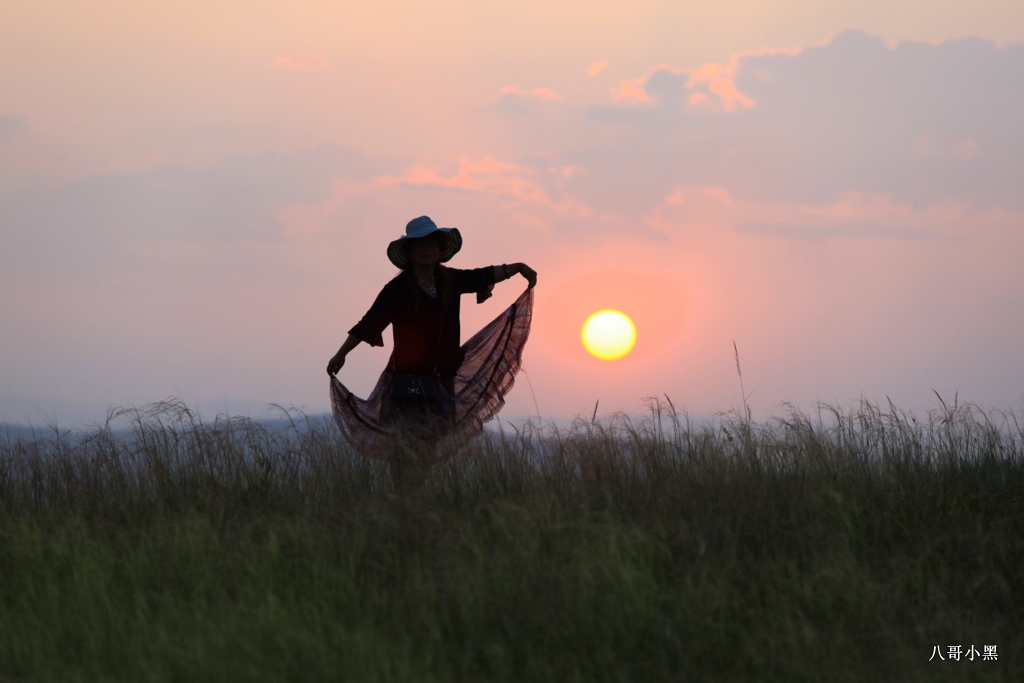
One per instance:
(841, 546)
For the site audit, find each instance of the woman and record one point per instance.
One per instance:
(432, 388)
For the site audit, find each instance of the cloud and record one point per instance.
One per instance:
(302, 62)
(922, 123)
(11, 125)
(710, 84)
(528, 198)
(597, 67)
(716, 79)
(635, 90)
(692, 210)
(90, 226)
(512, 99)
(537, 93)
(498, 179)
(926, 122)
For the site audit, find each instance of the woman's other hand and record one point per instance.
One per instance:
(339, 358)
(335, 364)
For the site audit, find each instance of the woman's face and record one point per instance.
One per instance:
(425, 252)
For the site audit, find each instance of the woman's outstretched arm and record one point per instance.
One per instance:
(521, 268)
(339, 358)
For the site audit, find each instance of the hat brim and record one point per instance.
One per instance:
(451, 242)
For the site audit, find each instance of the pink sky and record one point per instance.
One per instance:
(195, 199)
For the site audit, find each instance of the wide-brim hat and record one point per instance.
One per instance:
(418, 228)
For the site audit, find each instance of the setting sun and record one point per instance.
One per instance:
(609, 334)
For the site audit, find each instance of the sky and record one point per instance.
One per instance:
(196, 197)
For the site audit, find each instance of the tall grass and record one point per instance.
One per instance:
(842, 545)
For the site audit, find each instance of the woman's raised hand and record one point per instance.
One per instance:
(529, 273)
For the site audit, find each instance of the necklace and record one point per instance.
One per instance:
(431, 289)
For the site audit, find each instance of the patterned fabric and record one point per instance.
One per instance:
(492, 357)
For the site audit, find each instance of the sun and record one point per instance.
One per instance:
(609, 334)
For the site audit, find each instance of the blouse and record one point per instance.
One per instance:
(426, 335)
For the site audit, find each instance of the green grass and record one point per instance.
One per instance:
(841, 547)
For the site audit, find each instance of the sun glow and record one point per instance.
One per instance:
(609, 334)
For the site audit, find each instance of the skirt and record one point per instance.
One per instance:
(492, 358)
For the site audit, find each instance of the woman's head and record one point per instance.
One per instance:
(448, 239)
(425, 251)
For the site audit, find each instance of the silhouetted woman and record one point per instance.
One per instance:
(433, 390)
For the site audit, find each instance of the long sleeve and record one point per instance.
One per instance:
(380, 315)
(475, 280)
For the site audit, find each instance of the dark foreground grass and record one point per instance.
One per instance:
(844, 548)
